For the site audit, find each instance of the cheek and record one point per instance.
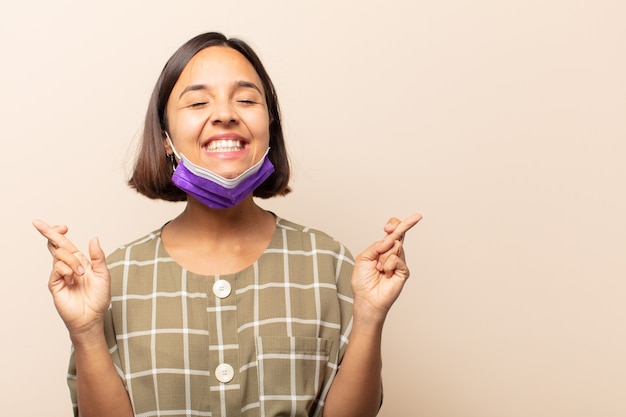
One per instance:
(187, 122)
(264, 135)
(262, 128)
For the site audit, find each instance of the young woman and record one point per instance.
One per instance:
(228, 309)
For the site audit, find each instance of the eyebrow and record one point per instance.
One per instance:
(240, 84)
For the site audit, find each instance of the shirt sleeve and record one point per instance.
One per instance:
(344, 268)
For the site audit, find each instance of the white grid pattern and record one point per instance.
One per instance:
(162, 315)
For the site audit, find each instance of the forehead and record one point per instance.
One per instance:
(215, 65)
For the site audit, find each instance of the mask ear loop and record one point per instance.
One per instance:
(172, 156)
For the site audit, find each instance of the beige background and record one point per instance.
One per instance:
(503, 123)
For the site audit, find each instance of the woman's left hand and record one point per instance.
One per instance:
(380, 271)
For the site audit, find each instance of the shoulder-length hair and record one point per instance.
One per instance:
(152, 172)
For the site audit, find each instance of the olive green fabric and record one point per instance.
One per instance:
(283, 328)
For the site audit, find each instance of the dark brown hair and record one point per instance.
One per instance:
(152, 173)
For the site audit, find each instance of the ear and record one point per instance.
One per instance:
(167, 145)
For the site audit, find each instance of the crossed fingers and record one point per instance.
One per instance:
(391, 248)
(396, 229)
(66, 258)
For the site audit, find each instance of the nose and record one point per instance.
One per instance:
(224, 112)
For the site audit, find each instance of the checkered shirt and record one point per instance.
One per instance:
(266, 341)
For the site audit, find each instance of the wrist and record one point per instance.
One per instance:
(88, 336)
(367, 317)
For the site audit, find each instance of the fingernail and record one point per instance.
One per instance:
(81, 270)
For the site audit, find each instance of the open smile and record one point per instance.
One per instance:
(224, 145)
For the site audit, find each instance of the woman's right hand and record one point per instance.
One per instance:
(80, 286)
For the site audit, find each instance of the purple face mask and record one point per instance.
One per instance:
(214, 190)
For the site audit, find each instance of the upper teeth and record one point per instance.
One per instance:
(224, 145)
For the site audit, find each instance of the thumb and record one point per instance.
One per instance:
(96, 254)
(373, 252)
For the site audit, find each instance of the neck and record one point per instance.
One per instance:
(199, 218)
(218, 241)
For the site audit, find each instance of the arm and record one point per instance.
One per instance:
(81, 292)
(99, 389)
(378, 278)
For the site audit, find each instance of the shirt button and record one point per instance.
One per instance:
(221, 288)
(224, 373)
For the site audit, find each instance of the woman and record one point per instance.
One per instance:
(226, 310)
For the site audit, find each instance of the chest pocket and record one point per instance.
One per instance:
(291, 373)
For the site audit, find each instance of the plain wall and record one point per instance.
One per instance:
(502, 122)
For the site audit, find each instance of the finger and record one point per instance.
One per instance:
(60, 228)
(76, 261)
(403, 227)
(395, 266)
(391, 225)
(376, 249)
(98, 258)
(41, 226)
(61, 274)
(55, 238)
(371, 253)
(395, 250)
(381, 250)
